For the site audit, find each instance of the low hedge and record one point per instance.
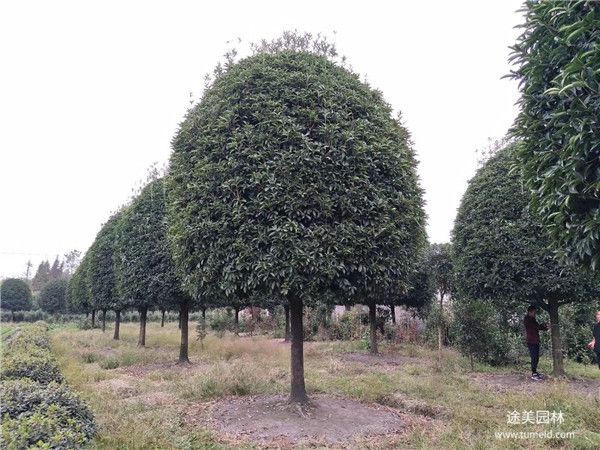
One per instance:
(37, 366)
(38, 410)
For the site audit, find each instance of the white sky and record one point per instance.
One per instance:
(92, 92)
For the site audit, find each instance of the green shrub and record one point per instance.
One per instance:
(31, 337)
(38, 366)
(22, 398)
(55, 429)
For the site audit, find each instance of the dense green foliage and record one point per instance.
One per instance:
(558, 56)
(144, 269)
(482, 332)
(37, 410)
(289, 176)
(53, 298)
(29, 357)
(79, 297)
(502, 253)
(15, 295)
(100, 268)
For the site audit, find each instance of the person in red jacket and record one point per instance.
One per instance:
(532, 332)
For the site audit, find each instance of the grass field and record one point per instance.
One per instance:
(141, 400)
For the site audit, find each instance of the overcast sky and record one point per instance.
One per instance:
(92, 92)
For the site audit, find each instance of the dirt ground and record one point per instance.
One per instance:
(270, 421)
(518, 382)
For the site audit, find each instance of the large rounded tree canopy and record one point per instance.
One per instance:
(500, 250)
(15, 295)
(291, 175)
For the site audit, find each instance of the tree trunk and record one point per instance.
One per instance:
(373, 327)
(87, 315)
(298, 388)
(472, 362)
(393, 313)
(203, 313)
(162, 318)
(103, 320)
(237, 320)
(183, 348)
(179, 320)
(287, 322)
(143, 317)
(117, 325)
(440, 330)
(93, 318)
(348, 307)
(557, 356)
(12, 314)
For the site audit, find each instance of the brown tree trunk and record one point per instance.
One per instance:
(162, 318)
(12, 314)
(298, 388)
(143, 318)
(117, 325)
(373, 327)
(236, 320)
(179, 320)
(440, 330)
(558, 369)
(287, 322)
(93, 318)
(103, 320)
(348, 308)
(183, 348)
(393, 313)
(203, 313)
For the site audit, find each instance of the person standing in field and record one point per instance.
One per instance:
(595, 344)
(532, 333)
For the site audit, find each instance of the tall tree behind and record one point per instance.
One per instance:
(41, 277)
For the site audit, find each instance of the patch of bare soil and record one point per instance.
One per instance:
(513, 382)
(387, 360)
(272, 422)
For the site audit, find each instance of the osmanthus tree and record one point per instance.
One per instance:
(78, 292)
(421, 289)
(15, 295)
(101, 270)
(557, 58)
(53, 298)
(144, 268)
(288, 178)
(501, 252)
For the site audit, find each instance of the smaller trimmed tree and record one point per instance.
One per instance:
(53, 298)
(101, 272)
(15, 295)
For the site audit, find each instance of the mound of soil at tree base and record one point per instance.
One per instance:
(514, 382)
(271, 421)
(384, 359)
